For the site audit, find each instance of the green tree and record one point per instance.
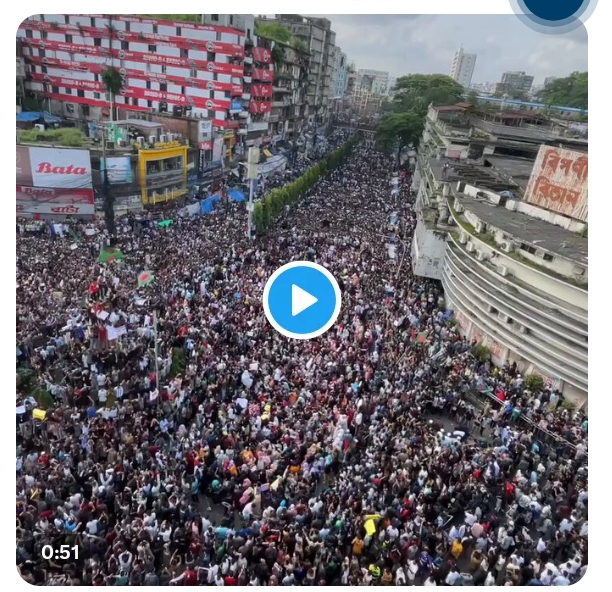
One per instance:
(472, 98)
(572, 91)
(416, 92)
(273, 31)
(398, 130)
(111, 78)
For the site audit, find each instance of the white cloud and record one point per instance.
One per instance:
(404, 44)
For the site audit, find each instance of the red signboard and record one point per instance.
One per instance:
(124, 54)
(230, 49)
(260, 106)
(54, 195)
(59, 209)
(261, 91)
(559, 182)
(262, 74)
(261, 55)
(208, 145)
(211, 85)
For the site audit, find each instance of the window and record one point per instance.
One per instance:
(97, 95)
(163, 87)
(193, 73)
(148, 85)
(97, 41)
(231, 19)
(178, 31)
(43, 69)
(68, 91)
(81, 93)
(210, 56)
(152, 49)
(528, 248)
(548, 257)
(155, 30)
(163, 69)
(55, 89)
(29, 33)
(214, 18)
(125, 45)
(68, 38)
(135, 101)
(184, 53)
(149, 104)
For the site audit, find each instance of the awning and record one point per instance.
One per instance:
(29, 116)
(267, 153)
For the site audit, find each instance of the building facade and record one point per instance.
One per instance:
(514, 272)
(514, 84)
(462, 68)
(375, 81)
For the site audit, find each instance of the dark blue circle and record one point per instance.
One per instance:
(554, 10)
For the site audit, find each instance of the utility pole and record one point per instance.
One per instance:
(155, 353)
(252, 162)
(109, 200)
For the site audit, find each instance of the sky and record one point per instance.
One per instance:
(425, 44)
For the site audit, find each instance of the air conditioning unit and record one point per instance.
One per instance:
(480, 256)
(110, 145)
(464, 237)
(163, 138)
(480, 227)
(458, 207)
(507, 246)
(39, 127)
(152, 139)
(503, 270)
(504, 318)
(140, 140)
(470, 247)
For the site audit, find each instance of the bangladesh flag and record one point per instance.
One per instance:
(110, 254)
(145, 278)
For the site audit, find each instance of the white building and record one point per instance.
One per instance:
(515, 274)
(462, 67)
(374, 81)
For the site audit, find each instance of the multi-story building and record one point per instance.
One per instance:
(316, 34)
(549, 80)
(21, 74)
(366, 103)
(514, 84)
(462, 68)
(374, 81)
(504, 234)
(341, 80)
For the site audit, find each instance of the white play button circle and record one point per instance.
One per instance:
(300, 300)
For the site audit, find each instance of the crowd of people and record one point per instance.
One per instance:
(185, 442)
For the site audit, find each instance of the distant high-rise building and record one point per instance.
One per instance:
(514, 83)
(374, 81)
(549, 80)
(462, 67)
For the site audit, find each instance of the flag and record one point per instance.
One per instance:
(165, 223)
(145, 278)
(110, 254)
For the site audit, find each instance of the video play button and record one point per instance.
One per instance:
(302, 300)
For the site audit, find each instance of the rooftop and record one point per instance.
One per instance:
(495, 179)
(518, 169)
(540, 234)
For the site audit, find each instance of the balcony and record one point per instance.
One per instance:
(247, 79)
(246, 96)
(248, 60)
(283, 103)
(274, 118)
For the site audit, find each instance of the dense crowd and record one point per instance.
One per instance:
(357, 458)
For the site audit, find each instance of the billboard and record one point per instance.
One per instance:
(61, 168)
(119, 169)
(39, 200)
(559, 182)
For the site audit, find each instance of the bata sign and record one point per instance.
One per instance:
(60, 168)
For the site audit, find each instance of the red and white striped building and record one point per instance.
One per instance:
(181, 68)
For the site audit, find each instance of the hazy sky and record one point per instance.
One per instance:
(404, 44)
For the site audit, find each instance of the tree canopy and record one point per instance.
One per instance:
(572, 91)
(398, 130)
(111, 78)
(416, 92)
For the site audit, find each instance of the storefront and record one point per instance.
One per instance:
(163, 172)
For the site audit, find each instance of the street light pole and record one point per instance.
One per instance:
(252, 161)
(109, 201)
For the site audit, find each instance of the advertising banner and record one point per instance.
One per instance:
(204, 130)
(264, 56)
(119, 169)
(261, 90)
(55, 168)
(262, 74)
(236, 106)
(56, 209)
(260, 107)
(24, 167)
(217, 149)
(211, 85)
(559, 182)
(54, 196)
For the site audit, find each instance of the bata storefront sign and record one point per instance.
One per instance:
(52, 168)
(55, 209)
(39, 195)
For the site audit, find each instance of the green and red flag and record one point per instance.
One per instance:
(145, 278)
(110, 254)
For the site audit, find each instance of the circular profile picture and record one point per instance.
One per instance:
(553, 18)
